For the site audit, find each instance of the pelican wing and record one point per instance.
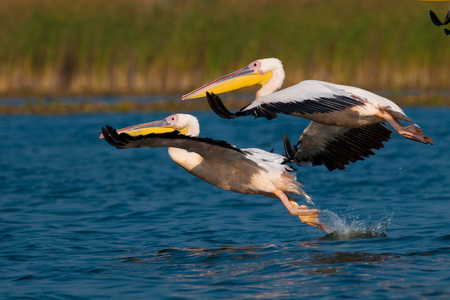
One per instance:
(310, 97)
(334, 146)
(307, 97)
(203, 146)
(219, 155)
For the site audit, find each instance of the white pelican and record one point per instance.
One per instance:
(247, 171)
(347, 122)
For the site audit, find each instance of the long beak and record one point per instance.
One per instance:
(239, 79)
(156, 127)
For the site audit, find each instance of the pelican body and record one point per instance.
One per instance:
(246, 171)
(346, 122)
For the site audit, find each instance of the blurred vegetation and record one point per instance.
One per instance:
(102, 47)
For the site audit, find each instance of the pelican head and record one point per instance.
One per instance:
(267, 72)
(184, 123)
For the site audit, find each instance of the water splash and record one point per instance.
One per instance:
(353, 228)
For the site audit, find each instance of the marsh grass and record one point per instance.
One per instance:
(59, 47)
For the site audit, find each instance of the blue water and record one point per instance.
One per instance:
(80, 219)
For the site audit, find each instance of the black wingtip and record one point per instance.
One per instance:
(112, 137)
(435, 19)
(290, 151)
(447, 18)
(288, 148)
(218, 107)
(438, 22)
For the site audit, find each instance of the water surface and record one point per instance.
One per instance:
(83, 220)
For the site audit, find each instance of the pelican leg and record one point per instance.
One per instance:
(311, 220)
(307, 216)
(412, 132)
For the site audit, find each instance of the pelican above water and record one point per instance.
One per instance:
(346, 122)
(246, 171)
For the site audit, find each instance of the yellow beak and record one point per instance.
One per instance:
(239, 79)
(157, 127)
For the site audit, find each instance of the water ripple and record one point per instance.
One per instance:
(82, 220)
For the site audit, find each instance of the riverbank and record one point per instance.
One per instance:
(172, 103)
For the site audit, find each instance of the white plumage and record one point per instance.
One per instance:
(347, 122)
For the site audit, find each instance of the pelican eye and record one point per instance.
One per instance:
(254, 65)
(172, 119)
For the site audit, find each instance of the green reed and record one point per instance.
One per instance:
(162, 46)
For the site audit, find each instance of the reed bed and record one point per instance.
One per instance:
(87, 47)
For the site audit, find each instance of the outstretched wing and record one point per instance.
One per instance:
(334, 146)
(307, 97)
(310, 99)
(205, 147)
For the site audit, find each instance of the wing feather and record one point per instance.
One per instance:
(335, 147)
(205, 147)
(306, 97)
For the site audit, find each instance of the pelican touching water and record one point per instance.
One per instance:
(246, 171)
(347, 122)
